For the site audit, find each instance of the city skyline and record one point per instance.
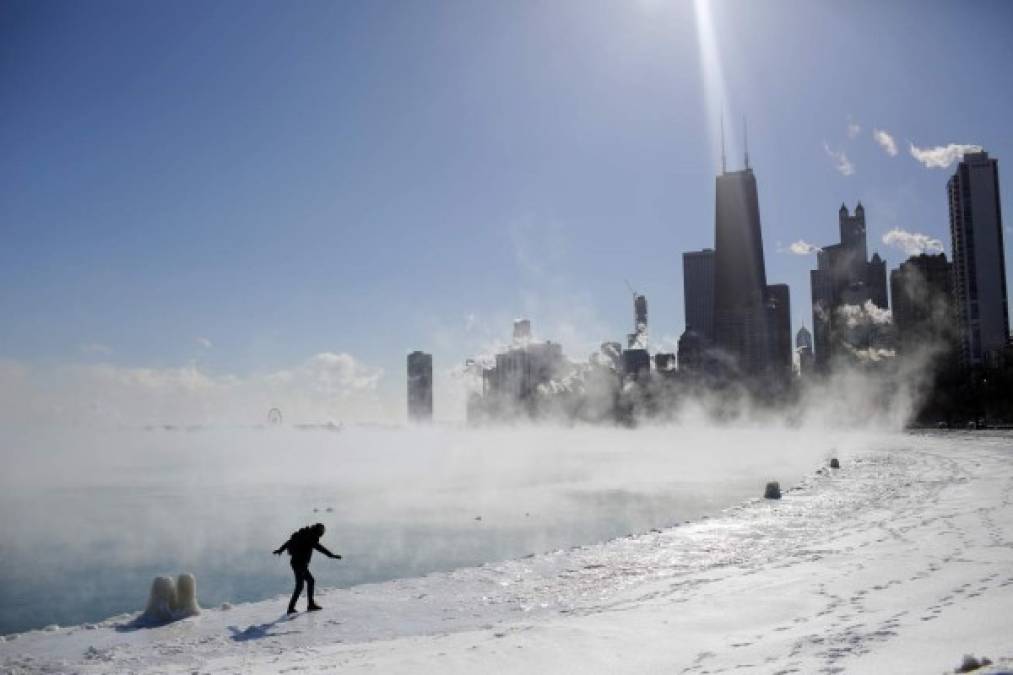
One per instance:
(136, 253)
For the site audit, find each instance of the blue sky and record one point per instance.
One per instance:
(235, 187)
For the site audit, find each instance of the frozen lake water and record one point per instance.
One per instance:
(90, 518)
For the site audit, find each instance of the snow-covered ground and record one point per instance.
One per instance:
(901, 561)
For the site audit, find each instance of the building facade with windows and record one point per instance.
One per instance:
(979, 264)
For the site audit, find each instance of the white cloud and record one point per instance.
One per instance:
(885, 141)
(95, 348)
(853, 128)
(339, 374)
(941, 156)
(841, 161)
(326, 386)
(204, 342)
(801, 247)
(912, 243)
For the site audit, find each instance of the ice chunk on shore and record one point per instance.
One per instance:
(186, 597)
(160, 601)
(171, 600)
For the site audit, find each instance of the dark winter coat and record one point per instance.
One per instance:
(301, 545)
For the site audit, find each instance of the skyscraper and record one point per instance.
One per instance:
(636, 360)
(692, 352)
(853, 239)
(875, 281)
(979, 265)
(779, 327)
(740, 279)
(922, 291)
(638, 338)
(420, 387)
(844, 276)
(804, 348)
(803, 339)
(510, 387)
(698, 291)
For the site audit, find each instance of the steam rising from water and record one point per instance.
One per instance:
(92, 517)
(91, 514)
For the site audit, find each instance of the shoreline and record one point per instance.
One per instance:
(578, 502)
(858, 567)
(282, 598)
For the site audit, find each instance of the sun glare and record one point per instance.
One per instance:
(711, 73)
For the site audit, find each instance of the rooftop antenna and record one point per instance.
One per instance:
(745, 136)
(723, 166)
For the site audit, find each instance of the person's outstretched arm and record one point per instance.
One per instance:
(281, 549)
(323, 549)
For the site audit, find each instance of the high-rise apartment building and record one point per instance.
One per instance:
(420, 386)
(779, 327)
(922, 292)
(979, 266)
(698, 291)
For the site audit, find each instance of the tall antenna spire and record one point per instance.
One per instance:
(745, 136)
(723, 165)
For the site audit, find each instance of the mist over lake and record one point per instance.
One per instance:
(95, 515)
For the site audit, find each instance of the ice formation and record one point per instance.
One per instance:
(186, 597)
(160, 601)
(171, 600)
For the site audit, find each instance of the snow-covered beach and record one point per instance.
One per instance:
(901, 561)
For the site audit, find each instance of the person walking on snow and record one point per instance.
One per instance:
(300, 547)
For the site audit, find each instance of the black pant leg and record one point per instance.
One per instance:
(300, 572)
